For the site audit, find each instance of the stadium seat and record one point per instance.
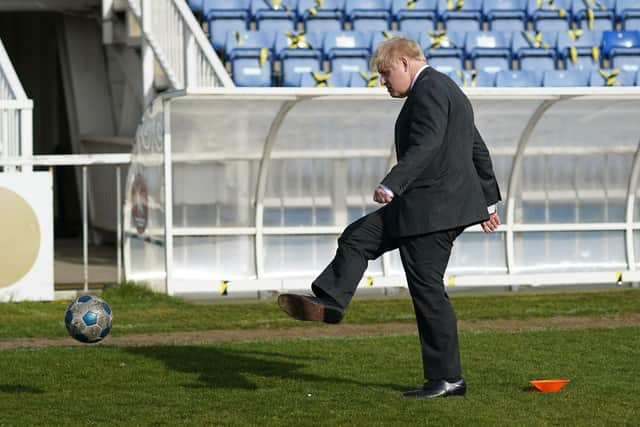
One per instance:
(611, 77)
(415, 15)
(638, 78)
(378, 37)
(365, 79)
(517, 78)
(505, 15)
(579, 49)
(196, 7)
(594, 15)
(549, 15)
(534, 51)
(472, 78)
(328, 17)
(460, 15)
(622, 49)
(299, 53)
(628, 14)
(565, 78)
(225, 17)
(251, 57)
(347, 51)
(368, 15)
(444, 50)
(489, 51)
(316, 79)
(274, 15)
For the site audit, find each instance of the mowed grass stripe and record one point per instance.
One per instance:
(326, 382)
(139, 311)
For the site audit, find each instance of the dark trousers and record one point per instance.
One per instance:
(424, 259)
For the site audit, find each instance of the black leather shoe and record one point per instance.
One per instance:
(439, 388)
(303, 307)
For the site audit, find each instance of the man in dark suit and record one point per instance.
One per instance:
(442, 183)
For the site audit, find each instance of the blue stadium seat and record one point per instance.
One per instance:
(299, 53)
(415, 15)
(368, 15)
(517, 78)
(365, 79)
(378, 37)
(489, 51)
(565, 78)
(270, 15)
(315, 79)
(472, 78)
(444, 50)
(251, 56)
(638, 78)
(248, 41)
(549, 15)
(505, 15)
(460, 15)
(329, 17)
(196, 7)
(579, 49)
(594, 15)
(611, 77)
(628, 13)
(347, 50)
(223, 17)
(622, 48)
(535, 51)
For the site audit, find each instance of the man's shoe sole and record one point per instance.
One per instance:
(302, 308)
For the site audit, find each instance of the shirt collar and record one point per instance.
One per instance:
(413, 82)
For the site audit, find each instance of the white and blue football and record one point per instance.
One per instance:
(88, 318)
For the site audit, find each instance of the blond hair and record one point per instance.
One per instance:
(389, 51)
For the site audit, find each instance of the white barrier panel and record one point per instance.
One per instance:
(26, 236)
(248, 189)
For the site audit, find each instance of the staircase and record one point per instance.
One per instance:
(172, 35)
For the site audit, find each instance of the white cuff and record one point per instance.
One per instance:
(386, 189)
(492, 208)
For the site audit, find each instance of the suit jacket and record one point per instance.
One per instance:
(444, 176)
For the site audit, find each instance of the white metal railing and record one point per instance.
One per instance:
(16, 113)
(84, 161)
(179, 44)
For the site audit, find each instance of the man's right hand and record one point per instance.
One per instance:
(492, 223)
(380, 195)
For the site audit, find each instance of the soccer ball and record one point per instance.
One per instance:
(88, 318)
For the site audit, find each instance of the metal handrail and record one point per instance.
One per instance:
(179, 44)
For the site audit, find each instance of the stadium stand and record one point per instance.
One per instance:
(565, 78)
(347, 51)
(274, 15)
(611, 77)
(535, 50)
(472, 78)
(475, 36)
(460, 15)
(327, 15)
(368, 15)
(314, 79)
(549, 15)
(628, 14)
(579, 49)
(444, 50)
(517, 78)
(505, 15)
(488, 51)
(594, 15)
(622, 49)
(415, 16)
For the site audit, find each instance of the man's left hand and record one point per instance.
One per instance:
(492, 223)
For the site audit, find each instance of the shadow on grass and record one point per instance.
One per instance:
(19, 388)
(225, 368)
